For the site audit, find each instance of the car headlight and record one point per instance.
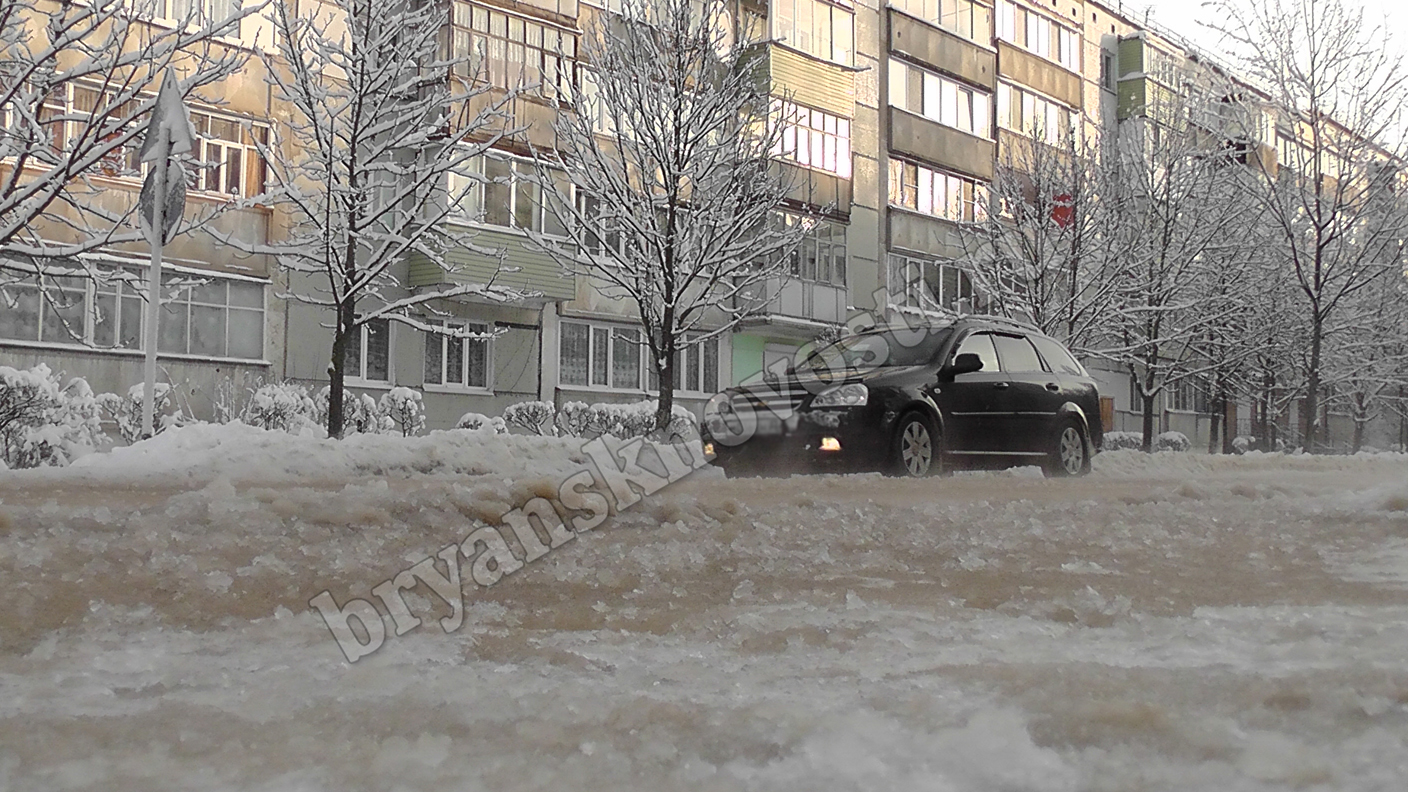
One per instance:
(716, 410)
(852, 395)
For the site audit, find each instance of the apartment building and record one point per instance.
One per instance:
(229, 326)
(903, 111)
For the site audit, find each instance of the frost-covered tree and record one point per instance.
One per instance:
(379, 119)
(1366, 363)
(1337, 88)
(666, 181)
(77, 83)
(1172, 209)
(1040, 254)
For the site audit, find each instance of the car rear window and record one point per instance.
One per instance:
(1016, 354)
(1057, 357)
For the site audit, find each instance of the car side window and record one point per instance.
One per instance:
(1057, 357)
(980, 344)
(1017, 354)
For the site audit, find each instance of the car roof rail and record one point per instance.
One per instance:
(1003, 320)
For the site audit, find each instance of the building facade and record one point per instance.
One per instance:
(904, 111)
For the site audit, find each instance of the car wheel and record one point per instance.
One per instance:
(916, 451)
(1070, 456)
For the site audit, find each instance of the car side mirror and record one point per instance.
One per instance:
(966, 363)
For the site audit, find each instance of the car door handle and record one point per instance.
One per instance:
(1053, 387)
(1001, 385)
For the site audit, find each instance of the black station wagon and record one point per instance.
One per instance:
(978, 391)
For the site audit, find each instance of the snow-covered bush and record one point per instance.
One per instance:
(285, 406)
(1245, 443)
(532, 416)
(572, 419)
(1172, 441)
(476, 422)
(360, 414)
(126, 412)
(636, 420)
(1119, 441)
(405, 410)
(43, 424)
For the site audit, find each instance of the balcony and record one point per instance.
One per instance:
(810, 81)
(799, 308)
(940, 145)
(945, 51)
(1034, 71)
(533, 270)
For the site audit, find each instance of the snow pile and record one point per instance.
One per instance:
(203, 452)
(42, 423)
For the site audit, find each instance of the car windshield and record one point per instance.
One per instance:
(899, 346)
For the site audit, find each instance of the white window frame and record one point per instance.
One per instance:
(1038, 34)
(472, 23)
(596, 332)
(444, 340)
(801, 38)
(127, 292)
(911, 291)
(683, 359)
(813, 138)
(939, 99)
(359, 377)
(472, 191)
(1037, 111)
(123, 164)
(941, 183)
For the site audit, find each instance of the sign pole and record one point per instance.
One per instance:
(155, 237)
(169, 132)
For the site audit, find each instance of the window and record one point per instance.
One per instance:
(513, 52)
(368, 356)
(821, 256)
(929, 285)
(200, 314)
(1016, 353)
(455, 361)
(967, 18)
(936, 193)
(180, 10)
(1028, 113)
(503, 191)
(813, 138)
(601, 356)
(229, 160)
(1107, 70)
(940, 99)
(816, 28)
(980, 344)
(1038, 34)
(1057, 358)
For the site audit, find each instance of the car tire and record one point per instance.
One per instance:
(1070, 452)
(916, 451)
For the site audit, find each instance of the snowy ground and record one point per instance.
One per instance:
(1169, 623)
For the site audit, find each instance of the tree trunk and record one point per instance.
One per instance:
(1148, 444)
(1218, 408)
(344, 334)
(1358, 434)
(1309, 420)
(664, 410)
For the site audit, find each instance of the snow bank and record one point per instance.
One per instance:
(203, 452)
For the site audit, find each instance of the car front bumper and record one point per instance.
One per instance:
(813, 441)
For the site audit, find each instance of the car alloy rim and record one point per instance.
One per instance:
(916, 450)
(1072, 450)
